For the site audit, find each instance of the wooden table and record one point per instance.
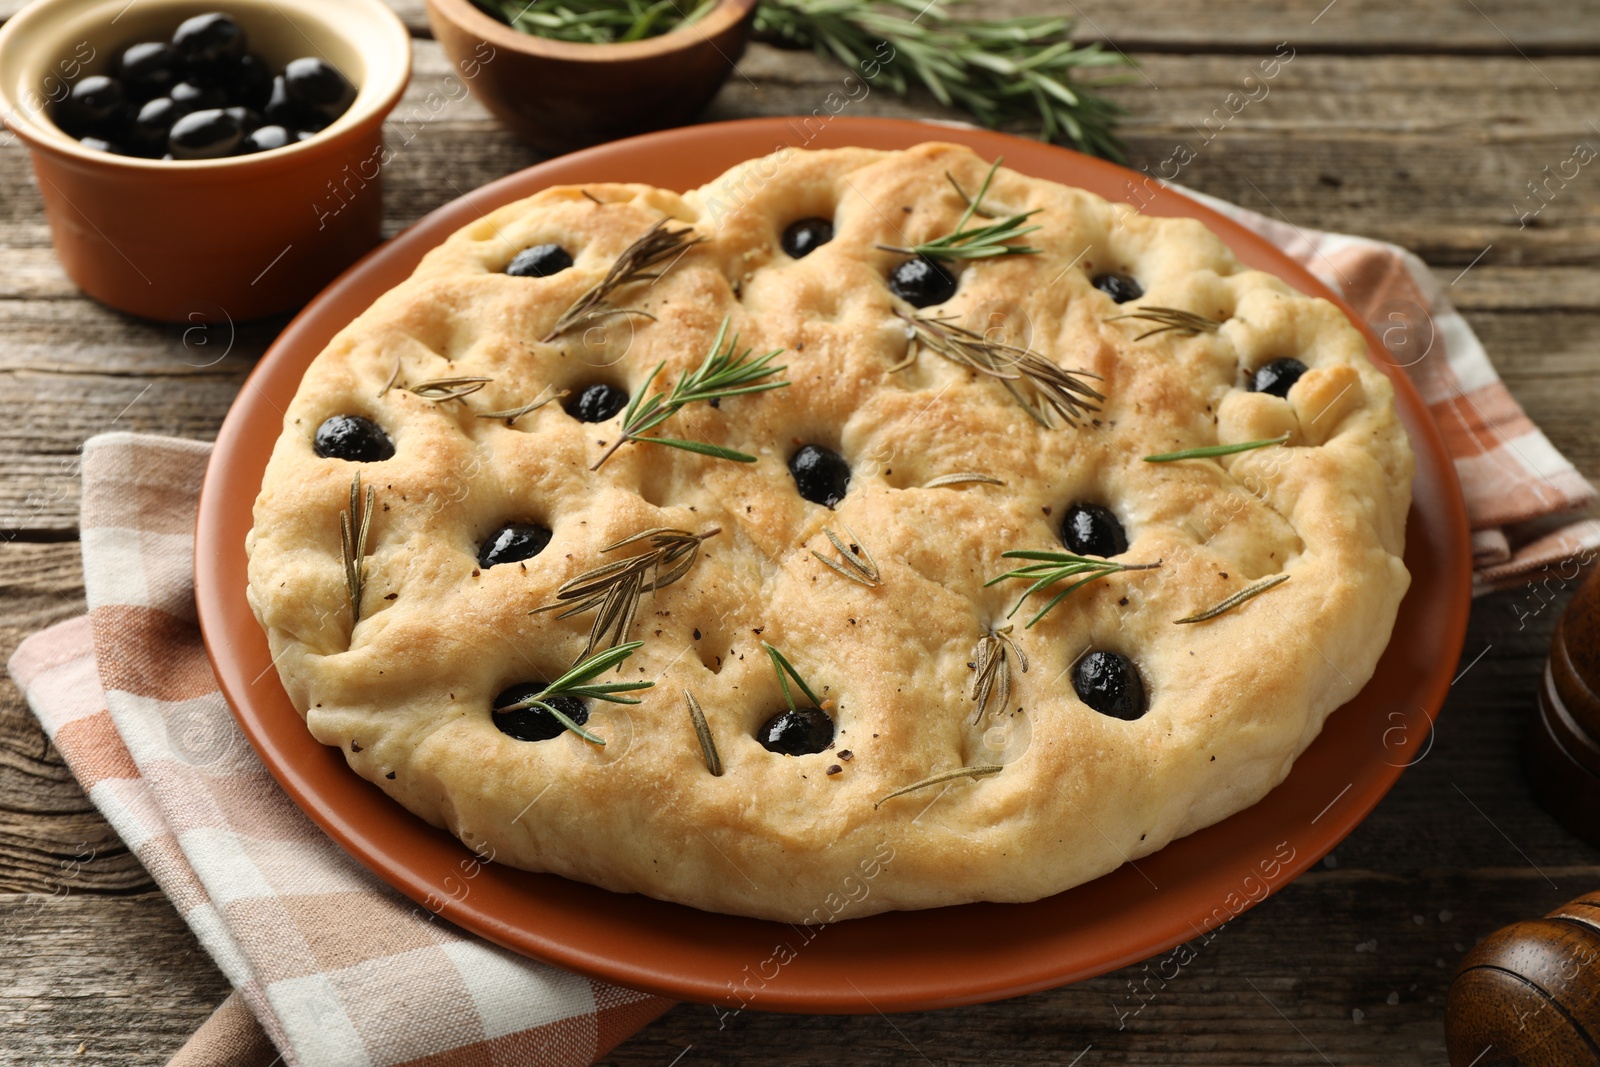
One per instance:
(1416, 122)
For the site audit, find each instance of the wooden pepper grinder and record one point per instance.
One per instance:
(1530, 994)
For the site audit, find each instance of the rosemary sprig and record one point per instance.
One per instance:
(1002, 71)
(657, 244)
(440, 390)
(979, 242)
(993, 669)
(722, 375)
(1170, 319)
(353, 527)
(1236, 599)
(513, 414)
(943, 776)
(858, 566)
(596, 21)
(785, 670)
(574, 683)
(702, 730)
(961, 479)
(1052, 387)
(616, 588)
(1053, 567)
(1215, 450)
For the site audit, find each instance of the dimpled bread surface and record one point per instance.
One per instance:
(406, 692)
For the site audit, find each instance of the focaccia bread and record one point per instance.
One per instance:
(1060, 749)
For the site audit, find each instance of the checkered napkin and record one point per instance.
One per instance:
(336, 968)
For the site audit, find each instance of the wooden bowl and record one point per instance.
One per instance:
(215, 239)
(558, 95)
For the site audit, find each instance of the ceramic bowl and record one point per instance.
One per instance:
(206, 240)
(558, 95)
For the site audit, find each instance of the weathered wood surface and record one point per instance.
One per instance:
(1420, 123)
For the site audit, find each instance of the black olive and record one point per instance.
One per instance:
(806, 236)
(147, 69)
(540, 261)
(318, 86)
(921, 282)
(151, 126)
(513, 542)
(246, 118)
(1277, 377)
(246, 82)
(208, 134)
(192, 97)
(354, 438)
(100, 144)
(596, 403)
(535, 724)
(1119, 287)
(1091, 530)
(820, 474)
(266, 138)
(93, 107)
(207, 40)
(1109, 683)
(796, 732)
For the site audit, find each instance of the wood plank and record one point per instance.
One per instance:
(1498, 27)
(100, 980)
(52, 840)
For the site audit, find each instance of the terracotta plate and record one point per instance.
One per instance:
(894, 962)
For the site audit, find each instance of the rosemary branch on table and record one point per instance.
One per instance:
(1049, 568)
(979, 242)
(1052, 387)
(1001, 70)
(723, 374)
(575, 683)
(658, 243)
(616, 588)
(353, 527)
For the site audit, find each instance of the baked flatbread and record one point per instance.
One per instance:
(1127, 728)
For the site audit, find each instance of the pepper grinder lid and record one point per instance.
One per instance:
(1564, 746)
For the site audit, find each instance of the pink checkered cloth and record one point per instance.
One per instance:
(330, 965)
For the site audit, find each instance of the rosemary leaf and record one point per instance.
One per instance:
(979, 242)
(781, 664)
(961, 479)
(658, 243)
(1238, 598)
(1215, 450)
(1052, 388)
(353, 528)
(724, 373)
(943, 776)
(858, 566)
(994, 669)
(702, 730)
(513, 414)
(1049, 568)
(616, 588)
(1170, 319)
(574, 684)
(441, 389)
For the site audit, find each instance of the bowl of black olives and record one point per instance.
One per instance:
(200, 162)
